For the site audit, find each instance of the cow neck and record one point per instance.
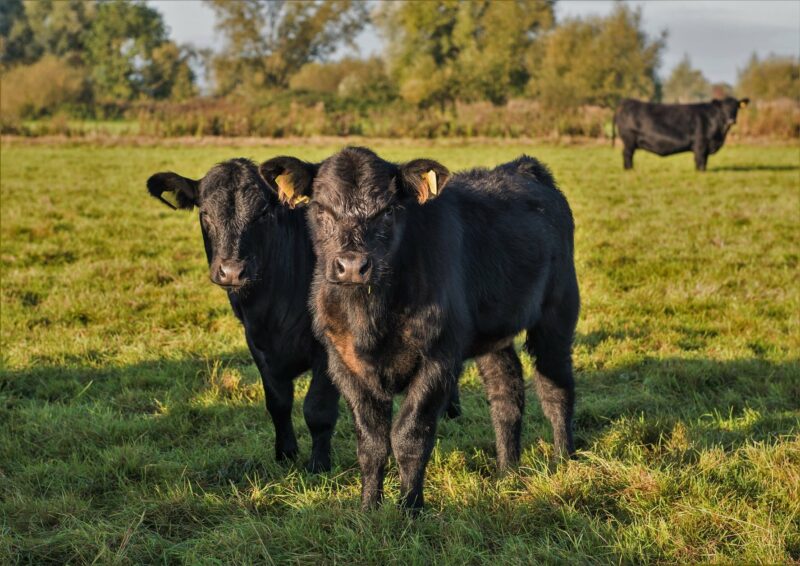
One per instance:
(288, 260)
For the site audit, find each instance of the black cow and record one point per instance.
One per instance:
(407, 286)
(665, 129)
(260, 252)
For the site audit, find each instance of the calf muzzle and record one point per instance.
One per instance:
(351, 268)
(229, 273)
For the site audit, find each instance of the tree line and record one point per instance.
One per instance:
(99, 58)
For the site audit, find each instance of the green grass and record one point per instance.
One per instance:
(132, 426)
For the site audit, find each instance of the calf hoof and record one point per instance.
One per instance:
(412, 505)
(317, 465)
(284, 454)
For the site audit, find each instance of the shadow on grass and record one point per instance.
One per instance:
(755, 167)
(177, 407)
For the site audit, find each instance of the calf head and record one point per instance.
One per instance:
(730, 108)
(358, 207)
(235, 208)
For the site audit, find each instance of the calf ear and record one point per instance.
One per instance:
(290, 179)
(744, 102)
(424, 178)
(173, 190)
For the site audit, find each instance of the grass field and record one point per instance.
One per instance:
(132, 422)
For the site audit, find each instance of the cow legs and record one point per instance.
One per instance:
(700, 158)
(321, 410)
(279, 396)
(627, 155)
(501, 372)
(550, 341)
(372, 417)
(414, 431)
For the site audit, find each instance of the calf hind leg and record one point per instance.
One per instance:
(321, 410)
(501, 372)
(627, 156)
(550, 342)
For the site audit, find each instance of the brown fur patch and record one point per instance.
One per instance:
(345, 345)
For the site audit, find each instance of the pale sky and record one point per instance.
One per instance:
(718, 35)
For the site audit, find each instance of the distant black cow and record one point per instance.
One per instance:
(665, 129)
(407, 286)
(260, 252)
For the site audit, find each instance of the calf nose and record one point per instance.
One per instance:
(229, 273)
(352, 268)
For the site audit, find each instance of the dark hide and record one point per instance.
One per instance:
(246, 231)
(665, 129)
(452, 276)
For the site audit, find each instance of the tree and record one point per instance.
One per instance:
(268, 41)
(771, 78)
(444, 50)
(59, 26)
(686, 84)
(130, 56)
(16, 36)
(598, 61)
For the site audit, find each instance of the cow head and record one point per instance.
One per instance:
(730, 109)
(235, 206)
(358, 207)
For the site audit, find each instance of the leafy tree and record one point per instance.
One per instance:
(771, 78)
(16, 36)
(686, 84)
(365, 80)
(130, 56)
(268, 41)
(598, 61)
(59, 26)
(444, 50)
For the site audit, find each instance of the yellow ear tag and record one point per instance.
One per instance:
(742, 104)
(430, 177)
(286, 191)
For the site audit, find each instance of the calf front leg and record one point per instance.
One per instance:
(279, 396)
(372, 417)
(414, 432)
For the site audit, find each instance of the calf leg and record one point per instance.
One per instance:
(700, 158)
(627, 155)
(321, 410)
(414, 431)
(502, 377)
(279, 396)
(550, 341)
(372, 416)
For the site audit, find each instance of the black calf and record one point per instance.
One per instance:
(448, 277)
(260, 252)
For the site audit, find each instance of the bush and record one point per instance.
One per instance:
(769, 119)
(43, 88)
(771, 79)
